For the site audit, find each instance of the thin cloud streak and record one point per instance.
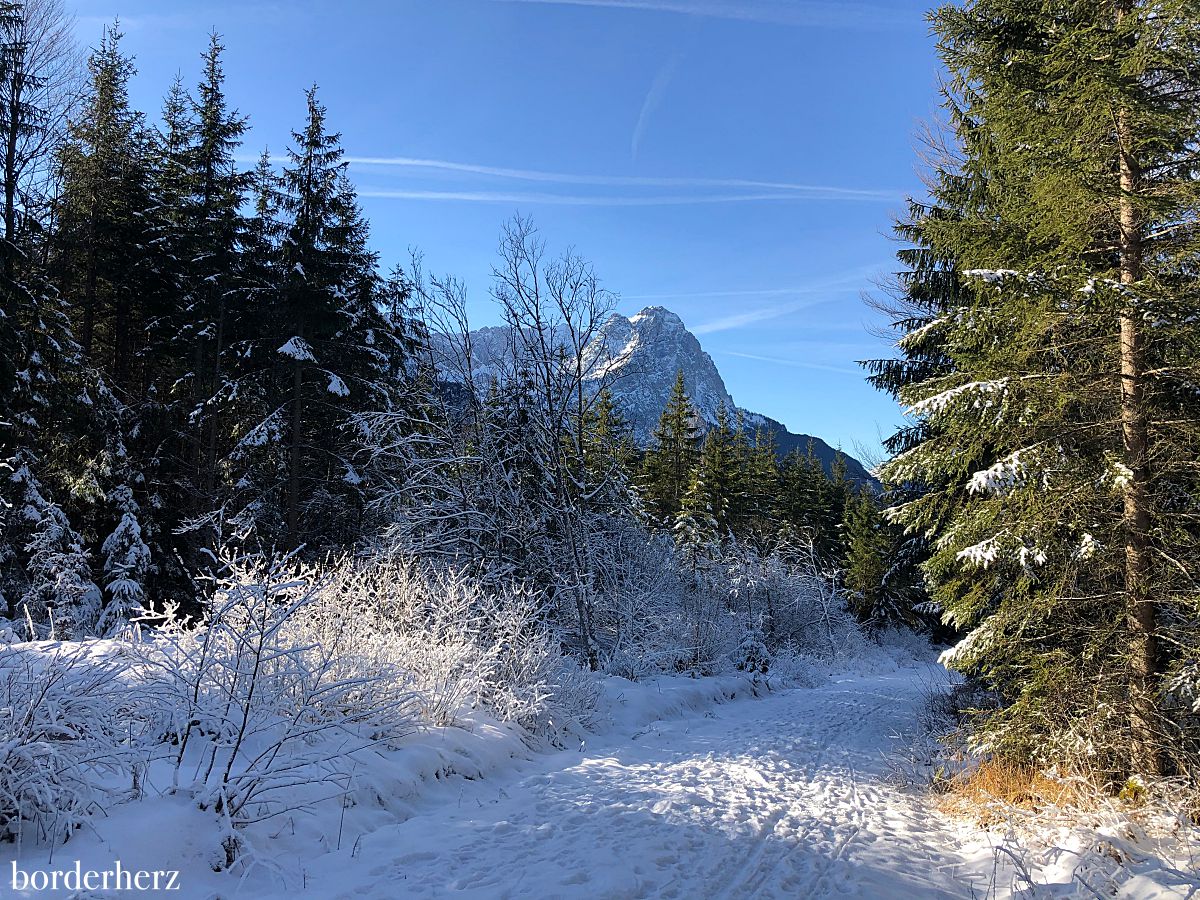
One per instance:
(849, 282)
(738, 320)
(654, 99)
(534, 175)
(205, 17)
(794, 363)
(810, 191)
(797, 13)
(584, 200)
(837, 286)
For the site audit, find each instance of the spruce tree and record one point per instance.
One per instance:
(721, 472)
(883, 588)
(47, 393)
(1050, 456)
(56, 587)
(671, 460)
(215, 192)
(201, 192)
(762, 485)
(609, 455)
(696, 529)
(126, 564)
(811, 502)
(251, 391)
(104, 257)
(335, 348)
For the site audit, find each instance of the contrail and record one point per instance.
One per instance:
(737, 320)
(598, 200)
(654, 98)
(795, 363)
(534, 175)
(848, 281)
(798, 13)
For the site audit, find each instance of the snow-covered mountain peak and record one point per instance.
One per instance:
(638, 358)
(658, 317)
(641, 355)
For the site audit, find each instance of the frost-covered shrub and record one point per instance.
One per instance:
(637, 576)
(668, 613)
(689, 627)
(796, 669)
(294, 669)
(629, 662)
(524, 660)
(462, 640)
(246, 698)
(65, 718)
(704, 630)
(574, 700)
(371, 606)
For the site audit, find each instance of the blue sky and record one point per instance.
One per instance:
(737, 161)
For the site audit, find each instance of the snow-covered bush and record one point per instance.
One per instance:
(574, 701)
(65, 720)
(684, 623)
(752, 655)
(463, 640)
(796, 669)
(807, 607)
(662, 611)
(703, 632)
(259, 708)
(270, 694)
(637, 577)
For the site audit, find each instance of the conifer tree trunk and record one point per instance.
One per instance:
(11, 136)
(89, 309)
(209, 452)
(1141, 613)
(293, 486)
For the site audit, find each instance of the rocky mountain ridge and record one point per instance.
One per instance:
(638, 358)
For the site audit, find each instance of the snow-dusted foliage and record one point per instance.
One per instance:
(65, 720)
(58, 587)
(460, 640)
(673, 611)
(251, 699)
(290, 674)
(297, 348)
(127, 561)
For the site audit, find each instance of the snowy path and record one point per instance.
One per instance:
(778, 797)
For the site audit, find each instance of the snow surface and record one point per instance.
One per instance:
(696, 788)
(784, 797)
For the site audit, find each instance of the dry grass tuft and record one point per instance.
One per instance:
(990, 791)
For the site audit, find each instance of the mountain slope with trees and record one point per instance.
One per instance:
(636, 359)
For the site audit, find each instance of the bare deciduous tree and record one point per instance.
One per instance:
(555, 310)
(41, 75)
